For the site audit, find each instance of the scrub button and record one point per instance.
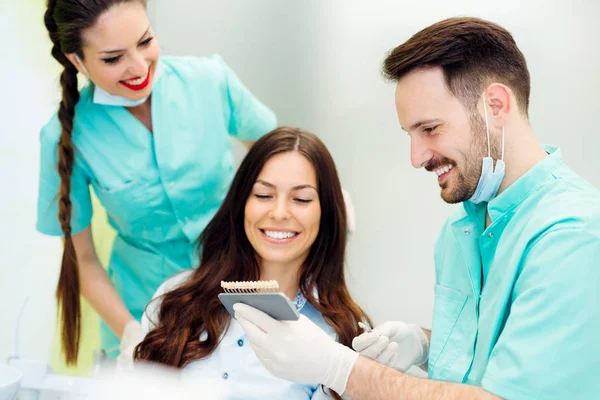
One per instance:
(467, 231)
(240, 342)
(225, 375)
(491, 235)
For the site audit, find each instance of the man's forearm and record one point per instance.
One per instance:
(371, 380)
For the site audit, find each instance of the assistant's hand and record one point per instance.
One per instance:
(132, 336)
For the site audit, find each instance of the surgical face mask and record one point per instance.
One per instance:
(491, 178)
(101, 96)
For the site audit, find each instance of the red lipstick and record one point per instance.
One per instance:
(141, 86)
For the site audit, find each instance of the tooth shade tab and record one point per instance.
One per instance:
(250, 286)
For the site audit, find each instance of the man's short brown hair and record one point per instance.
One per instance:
(471, 52)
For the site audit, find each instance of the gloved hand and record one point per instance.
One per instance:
(350, 214)
(395, 344)
(132, 336)
(297, 351)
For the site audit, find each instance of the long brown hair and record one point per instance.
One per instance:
(470, 51)
(194, 309)
(65, 21)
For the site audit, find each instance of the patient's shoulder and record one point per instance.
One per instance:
(150, 317)
(173, 283)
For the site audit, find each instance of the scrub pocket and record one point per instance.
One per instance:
(448, 338)
(125, 202)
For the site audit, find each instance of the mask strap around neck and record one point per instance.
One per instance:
(502, 156)
(487, 129)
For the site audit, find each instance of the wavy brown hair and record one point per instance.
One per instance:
(65, 21)
(226, 255)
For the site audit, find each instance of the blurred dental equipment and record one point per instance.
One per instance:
(10, 380)
(35, 380)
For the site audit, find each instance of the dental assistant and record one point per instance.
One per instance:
(151, 135)
(517, 306)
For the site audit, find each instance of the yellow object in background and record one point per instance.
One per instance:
(103, 235)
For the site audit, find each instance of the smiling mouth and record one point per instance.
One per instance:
(279, 237)
(137, 83)
(443, 172)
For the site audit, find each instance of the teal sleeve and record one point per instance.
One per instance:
(550, 346)
(248, 118)
(49, 185)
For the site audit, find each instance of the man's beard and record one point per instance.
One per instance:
(469, 171)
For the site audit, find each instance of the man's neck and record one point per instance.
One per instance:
(522, 152)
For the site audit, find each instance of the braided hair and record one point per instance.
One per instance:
(65, 21)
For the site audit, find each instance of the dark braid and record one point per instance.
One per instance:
(67, 291)
(65, 20)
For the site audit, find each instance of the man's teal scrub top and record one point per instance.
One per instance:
(517, 305)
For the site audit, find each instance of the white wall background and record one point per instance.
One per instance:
(316, 63)
(30, 261)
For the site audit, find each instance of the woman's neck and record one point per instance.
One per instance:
(143, 113)
(288, 277)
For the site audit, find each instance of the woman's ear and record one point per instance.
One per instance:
(76, 61)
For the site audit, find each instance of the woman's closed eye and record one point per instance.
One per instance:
(146, 42)
(112, 60)
(262, 196)
(115, 59)
(302, 200)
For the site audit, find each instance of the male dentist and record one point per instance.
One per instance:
(517, 294)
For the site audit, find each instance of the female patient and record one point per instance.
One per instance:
(283, 219)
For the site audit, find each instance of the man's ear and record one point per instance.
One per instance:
(500, 103)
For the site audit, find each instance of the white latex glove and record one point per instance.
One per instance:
(132, 336)
(350, 214)
(395, 344)
(297, 351)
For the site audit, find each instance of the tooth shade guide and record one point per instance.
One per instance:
(250, 287)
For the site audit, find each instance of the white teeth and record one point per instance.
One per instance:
(443, 170)
(280, 235)
(136, 81)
